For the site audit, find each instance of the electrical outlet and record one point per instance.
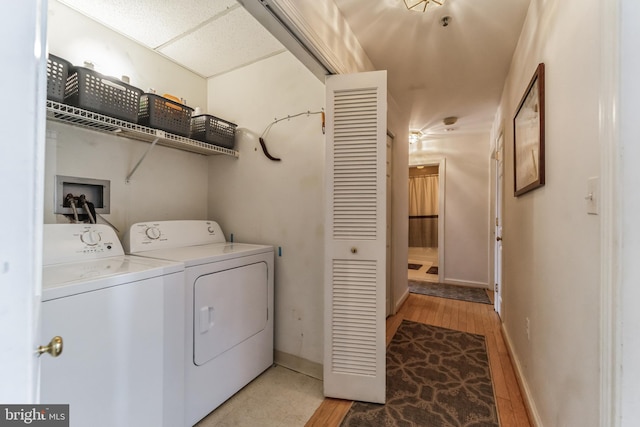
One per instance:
(528, 328)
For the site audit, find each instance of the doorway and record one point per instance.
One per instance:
(425, 228)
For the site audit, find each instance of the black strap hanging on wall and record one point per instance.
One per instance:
(263, 143)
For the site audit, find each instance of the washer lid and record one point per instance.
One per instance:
(61, 280)
(204, 254)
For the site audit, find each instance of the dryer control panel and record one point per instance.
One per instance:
(148, 236)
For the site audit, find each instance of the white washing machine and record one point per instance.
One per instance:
(229, 306)
(122, 324)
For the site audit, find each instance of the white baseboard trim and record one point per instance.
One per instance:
(298, 364)
(529, 403)
(401, 301)
(470, 283)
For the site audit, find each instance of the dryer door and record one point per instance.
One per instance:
(229, 307)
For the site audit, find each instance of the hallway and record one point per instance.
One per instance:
(425, 258)
(463, 316)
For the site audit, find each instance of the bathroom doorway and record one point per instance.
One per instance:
(424, 223)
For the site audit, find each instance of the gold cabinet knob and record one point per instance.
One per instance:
(354, 250)
(54, 348)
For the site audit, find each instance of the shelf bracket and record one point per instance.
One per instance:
(128, 178)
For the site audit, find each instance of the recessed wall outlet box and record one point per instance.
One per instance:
(96, 191)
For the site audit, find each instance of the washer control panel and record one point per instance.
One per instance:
(148, 236)
(78, 242)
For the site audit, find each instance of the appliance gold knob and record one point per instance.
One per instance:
(54, 348)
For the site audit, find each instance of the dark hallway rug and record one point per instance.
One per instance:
(464, 293)
(435, 377)
(414, 266)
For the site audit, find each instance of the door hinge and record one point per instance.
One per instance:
(497, 222)
(496, 289)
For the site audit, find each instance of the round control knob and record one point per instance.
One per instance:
(153, 233)
(90, 237)
(211, 230)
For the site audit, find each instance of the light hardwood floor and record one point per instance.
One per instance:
(462, 316)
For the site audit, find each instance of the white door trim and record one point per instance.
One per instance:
(610, 321)
(498, 214)
(442, 174)
(442, 179)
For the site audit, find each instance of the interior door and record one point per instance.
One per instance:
(389, 184)
(22, 130)
(499, 178)
(355, 237)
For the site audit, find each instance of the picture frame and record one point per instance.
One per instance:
(528, 137)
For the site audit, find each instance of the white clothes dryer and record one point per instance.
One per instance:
(122, 324)
(229, 306)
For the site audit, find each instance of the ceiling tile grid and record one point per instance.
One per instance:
(209, 37)
(228, 42)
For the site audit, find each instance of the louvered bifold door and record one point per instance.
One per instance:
(355, 237)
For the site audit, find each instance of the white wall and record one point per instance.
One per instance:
(21, 171)
(551, 246)
(324, 30)
(276, 203)
(274, 92)
(629, 198)
(170, 183)
(321, 23)
(466, 233)
(76, 38)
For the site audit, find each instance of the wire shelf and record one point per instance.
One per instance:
(86, 119)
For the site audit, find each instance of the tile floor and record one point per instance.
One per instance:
(428, 257)
(279, 397)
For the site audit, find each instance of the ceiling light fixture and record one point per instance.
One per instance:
(422, 5)
(414, 136)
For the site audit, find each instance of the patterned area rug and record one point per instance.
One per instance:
(464, 293)
(435, 377)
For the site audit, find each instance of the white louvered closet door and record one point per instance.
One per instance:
(355, 237)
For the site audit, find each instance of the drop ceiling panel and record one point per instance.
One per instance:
(151, 22)
(228, 42)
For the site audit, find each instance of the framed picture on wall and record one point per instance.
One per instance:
(528, 137)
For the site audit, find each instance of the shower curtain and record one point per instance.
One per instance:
(423, 211)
